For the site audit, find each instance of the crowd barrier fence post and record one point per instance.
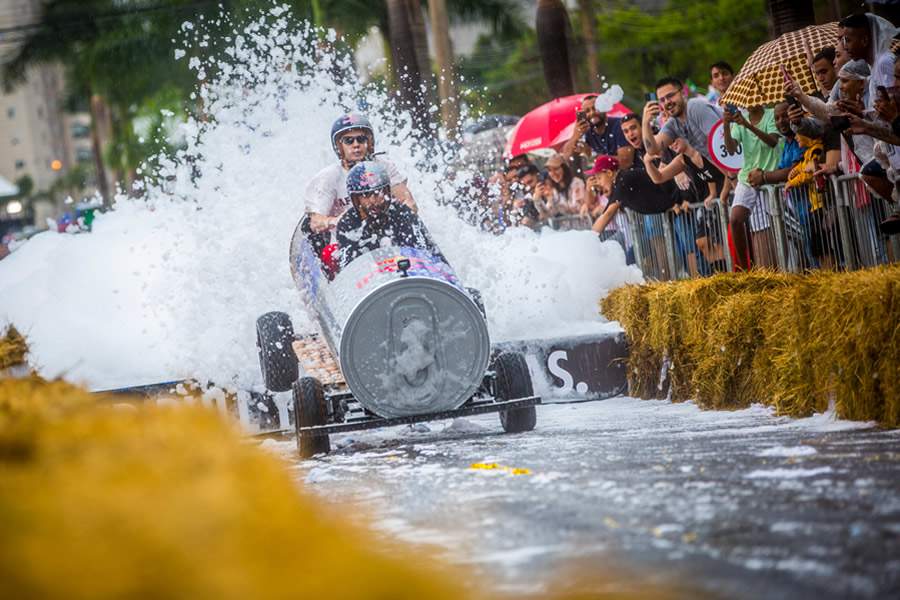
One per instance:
(776, 210)
(842, 204)
(636, 237)
(669, 238)
(724, 216)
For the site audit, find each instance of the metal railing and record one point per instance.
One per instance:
(689, 243)
(569, 222)
(830, 224)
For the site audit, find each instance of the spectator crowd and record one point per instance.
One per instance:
(658, 163)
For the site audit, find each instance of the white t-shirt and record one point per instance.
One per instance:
(326, 193)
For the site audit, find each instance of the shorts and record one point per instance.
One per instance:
(707, 224)
(755, 202)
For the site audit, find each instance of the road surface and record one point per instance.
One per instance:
(723, 504)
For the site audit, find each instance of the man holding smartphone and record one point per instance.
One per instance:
(689, 119)
(597, 133)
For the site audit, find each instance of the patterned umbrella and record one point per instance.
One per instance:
(760, 81)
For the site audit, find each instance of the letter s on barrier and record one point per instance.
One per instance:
(558, 371)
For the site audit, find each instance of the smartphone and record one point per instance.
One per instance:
(791, 101)
(840, 123)
(784, 73)
(731, 108)
(650, 96)
(580, 116)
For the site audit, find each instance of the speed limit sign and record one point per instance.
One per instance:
(718, 153)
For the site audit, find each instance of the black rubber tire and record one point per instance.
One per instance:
(478, 300)
(309, 411)
(514, 381)
(277, 361)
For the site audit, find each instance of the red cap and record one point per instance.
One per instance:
(604, 162)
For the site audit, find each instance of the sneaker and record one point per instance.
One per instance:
(891, 225)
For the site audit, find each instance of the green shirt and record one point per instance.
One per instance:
(758, 154)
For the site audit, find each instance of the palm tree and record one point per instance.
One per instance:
(116, 56)
(553, 33)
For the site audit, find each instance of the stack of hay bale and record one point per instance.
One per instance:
(796, 342)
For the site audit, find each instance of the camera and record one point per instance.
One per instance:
(731, 108)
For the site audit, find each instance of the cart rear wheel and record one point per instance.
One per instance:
(513, 382)
(277, 361)
(309, 411)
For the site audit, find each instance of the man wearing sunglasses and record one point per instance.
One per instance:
(353, 141)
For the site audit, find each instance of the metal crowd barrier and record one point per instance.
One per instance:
(569, 222)
(832, 225)
(670, 245)
(813, 226)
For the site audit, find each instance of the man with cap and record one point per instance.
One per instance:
(353, 141)
(375, 219)
(628, 188)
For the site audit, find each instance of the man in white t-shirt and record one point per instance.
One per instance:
(353, 141)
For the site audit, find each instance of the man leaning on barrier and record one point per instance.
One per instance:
(629, 188)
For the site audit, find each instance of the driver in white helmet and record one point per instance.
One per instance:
(353, 141)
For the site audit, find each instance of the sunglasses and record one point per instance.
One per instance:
(348, 140)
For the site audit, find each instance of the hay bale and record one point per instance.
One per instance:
(791, 341)
(169, 501)
(854, 331)
(97, 502)
(13, 349)
(629, 306)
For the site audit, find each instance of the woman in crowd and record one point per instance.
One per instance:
(561, 192)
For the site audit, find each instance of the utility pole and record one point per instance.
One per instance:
(443, 51)
(553, 30)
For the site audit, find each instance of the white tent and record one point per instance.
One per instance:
(7, 188)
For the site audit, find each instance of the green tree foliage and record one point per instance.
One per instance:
(635, 48)
(26, 185)
(124, 51)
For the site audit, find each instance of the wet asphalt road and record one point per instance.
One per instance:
(720, 504)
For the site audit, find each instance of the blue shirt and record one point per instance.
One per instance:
(610, 140)
(792, 153)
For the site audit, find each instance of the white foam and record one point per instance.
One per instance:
(169, 286)
(788, 451)
(787, 473)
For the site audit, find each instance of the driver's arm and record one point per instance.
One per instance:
(401, 192)
(319, 222)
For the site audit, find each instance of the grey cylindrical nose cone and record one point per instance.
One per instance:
(415, 345)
